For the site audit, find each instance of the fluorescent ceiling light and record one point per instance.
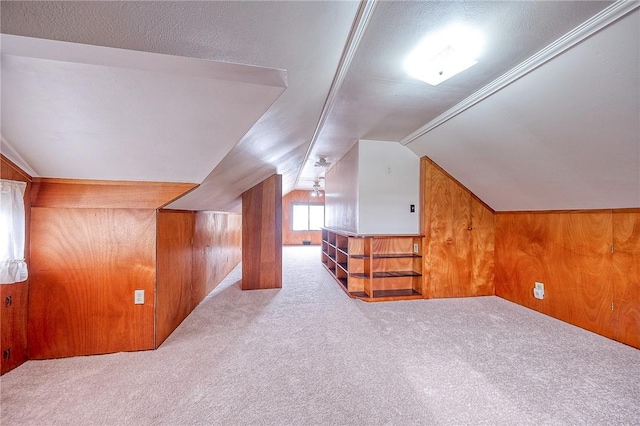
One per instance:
(445, 54)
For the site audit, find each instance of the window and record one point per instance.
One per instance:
(307, 217)
(13, 267)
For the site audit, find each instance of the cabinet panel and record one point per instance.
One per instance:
(13, 317)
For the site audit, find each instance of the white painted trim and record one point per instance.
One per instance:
(603, 19)
(9, 151)
(363, 16)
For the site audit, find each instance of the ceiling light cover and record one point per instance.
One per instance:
(441, 56)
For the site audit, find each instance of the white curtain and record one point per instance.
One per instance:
(13, 268)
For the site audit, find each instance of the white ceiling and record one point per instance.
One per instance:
(565, 135)
(90, 112)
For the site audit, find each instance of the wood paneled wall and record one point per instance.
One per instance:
(459, 237)
(626, 277)
(262, 235)
(89, 255)
(289, 236)
(93, 243)
(174, 283)
(86, 265)
(14, 297)
(195, 252)
(571, 253)
(100, 194)
(217, 246)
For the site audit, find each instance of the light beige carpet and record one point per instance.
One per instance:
(307, 354)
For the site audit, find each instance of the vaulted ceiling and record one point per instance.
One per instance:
(224, 94)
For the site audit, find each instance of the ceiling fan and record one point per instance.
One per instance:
(322, 162)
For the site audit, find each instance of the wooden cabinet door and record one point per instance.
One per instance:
(13, 323)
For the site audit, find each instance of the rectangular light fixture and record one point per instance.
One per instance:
(443, 55)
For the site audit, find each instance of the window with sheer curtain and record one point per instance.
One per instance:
(13, 267)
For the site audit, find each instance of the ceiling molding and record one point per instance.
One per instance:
(10, 152)
(365, 11)
(603, 19)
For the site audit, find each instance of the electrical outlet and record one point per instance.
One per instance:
(138, 297)
(538, 290)
(416, 248)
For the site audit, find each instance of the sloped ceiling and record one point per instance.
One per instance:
(90, 112)
(565, 135)
(304, 38)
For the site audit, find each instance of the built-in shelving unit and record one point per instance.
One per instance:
(374, 267)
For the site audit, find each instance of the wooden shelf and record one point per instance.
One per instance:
(396, 256)
(388, 274)
(343, 281)
(395, 293)
(374, 267)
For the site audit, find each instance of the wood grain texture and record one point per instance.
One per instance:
(290, 237)
(459, 243)
(262, 235)
(626, 277)
(13, 325)
(175, 231)
(217, 249)
(72, 193)
(483, 224)
(384, 267)
(569, 253)
(86, 265)
(426, 178)
(393, 245)
(450, 240)
(13, 318)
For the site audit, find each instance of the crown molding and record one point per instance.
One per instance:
(11, 154)
(603, 19)
(361, 21)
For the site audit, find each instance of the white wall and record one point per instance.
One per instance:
(371, 188)
(389, 182)
(341, 193)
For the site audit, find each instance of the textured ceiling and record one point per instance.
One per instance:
(304, 38)
(565, 137)
(380, 101)
(89, 112)
(539, 143)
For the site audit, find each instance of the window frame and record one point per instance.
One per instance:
(308, 204)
